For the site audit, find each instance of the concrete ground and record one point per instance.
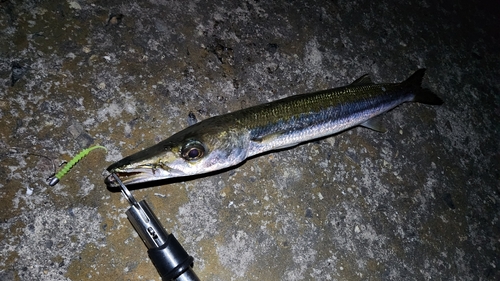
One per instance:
(420, 202)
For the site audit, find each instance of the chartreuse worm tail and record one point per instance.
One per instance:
(53, 180)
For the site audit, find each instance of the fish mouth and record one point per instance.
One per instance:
(136, 176)
(126, 178)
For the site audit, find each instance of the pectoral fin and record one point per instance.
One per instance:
(267, 138)
(270, 138)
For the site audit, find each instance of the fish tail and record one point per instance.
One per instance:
(422, 95)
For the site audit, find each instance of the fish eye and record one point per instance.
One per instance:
(193, 150)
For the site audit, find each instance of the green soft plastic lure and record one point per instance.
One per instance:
(54, 179)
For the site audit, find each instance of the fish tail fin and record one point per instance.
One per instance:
(422, 95)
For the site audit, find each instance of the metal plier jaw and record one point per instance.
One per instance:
(166, 253)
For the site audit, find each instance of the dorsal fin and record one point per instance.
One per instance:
(192, 119)
(362, 81)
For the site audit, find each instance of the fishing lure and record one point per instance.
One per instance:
(54, 179)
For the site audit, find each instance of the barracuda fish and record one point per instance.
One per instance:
(223, 141)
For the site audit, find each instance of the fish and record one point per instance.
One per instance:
(227, 140)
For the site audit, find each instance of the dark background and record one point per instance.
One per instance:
(420, 202)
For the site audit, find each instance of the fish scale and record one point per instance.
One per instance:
(327, 114)
(223, 141)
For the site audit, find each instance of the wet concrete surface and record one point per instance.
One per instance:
(419, 202)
